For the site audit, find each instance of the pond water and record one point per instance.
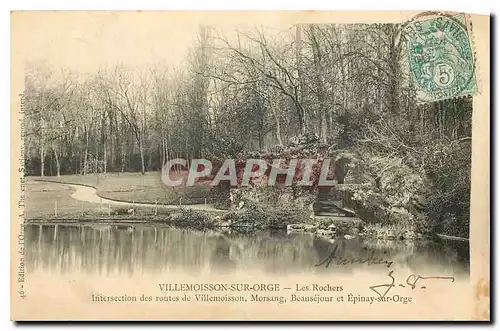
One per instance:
(151, 249)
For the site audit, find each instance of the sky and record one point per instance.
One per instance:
(83, 41)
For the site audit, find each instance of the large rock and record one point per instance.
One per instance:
(326, 224)
(307, 228)
(223, 223)
(326, 233)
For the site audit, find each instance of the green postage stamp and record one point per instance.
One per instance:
(441, 58)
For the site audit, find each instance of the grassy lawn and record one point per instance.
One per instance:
(136, 187)
(42, 198)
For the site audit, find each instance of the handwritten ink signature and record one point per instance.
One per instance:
(411, 282)
(339, 260)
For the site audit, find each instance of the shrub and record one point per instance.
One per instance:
(448, 199)
(269, 207)
(192, 219)
(121, 211)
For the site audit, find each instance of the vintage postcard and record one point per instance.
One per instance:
(255, 166)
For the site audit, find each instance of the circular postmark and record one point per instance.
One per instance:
(440, 56)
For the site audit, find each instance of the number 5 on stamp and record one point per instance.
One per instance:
(441, 58)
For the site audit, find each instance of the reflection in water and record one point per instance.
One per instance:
(149, 249)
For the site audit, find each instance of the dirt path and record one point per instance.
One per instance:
(89, 194)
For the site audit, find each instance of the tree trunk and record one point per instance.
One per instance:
(162, 150)
(278, 131)
(96, 166)
(58, 164)
(42, 151)
(42, 158)
(105, 158)
(277, 119)
(141, 149)
(51, 173)
(85, 160)
(123, 157)
(320, 86)
(394, 71)
(323, 126)
(303, 120)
